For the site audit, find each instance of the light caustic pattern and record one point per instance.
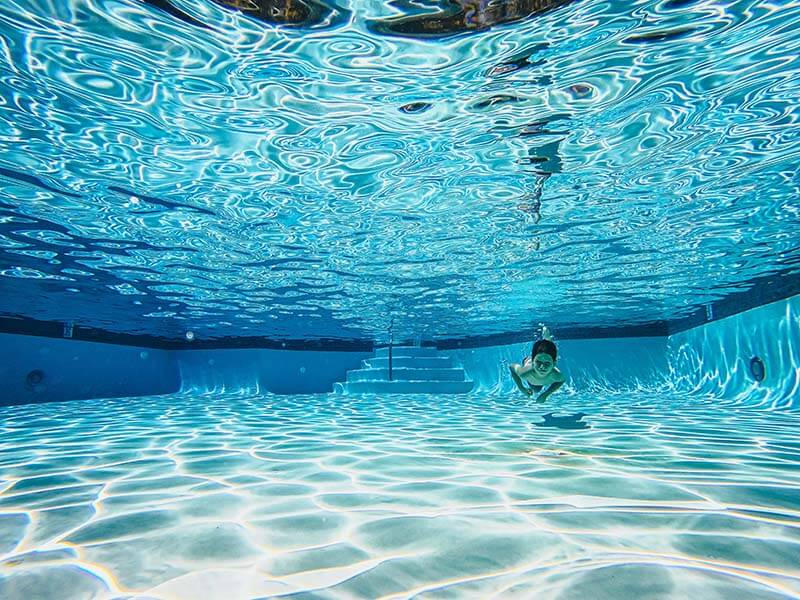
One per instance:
(599, 163)
(341, 497)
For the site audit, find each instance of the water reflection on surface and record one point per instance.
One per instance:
(461, 16)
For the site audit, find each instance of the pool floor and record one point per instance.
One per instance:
(646, 495)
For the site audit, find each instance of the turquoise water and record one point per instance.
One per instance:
(662, 469)
(325, 172)
(232, 496)
(599, 163)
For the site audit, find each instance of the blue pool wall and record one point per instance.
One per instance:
(712, 359)
(258, 370)
(590, 365)
(75, 369)
(78, 369)
(715, 359)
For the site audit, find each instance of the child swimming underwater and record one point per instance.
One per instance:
(539, 369)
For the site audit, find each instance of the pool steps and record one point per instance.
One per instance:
(415, 370)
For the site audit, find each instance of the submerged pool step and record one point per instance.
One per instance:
(398, 351)
(409, 362)
(415, 370)
(408, 387)
(406, 374)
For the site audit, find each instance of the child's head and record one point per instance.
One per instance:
(543, 356)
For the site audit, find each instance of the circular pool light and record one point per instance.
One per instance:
(34, 378)
(757, 368)
(190, 335)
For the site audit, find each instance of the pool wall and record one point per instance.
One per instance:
(715, 358)
(712, 359)
(265, 370)
(72, 370)
(597, 364)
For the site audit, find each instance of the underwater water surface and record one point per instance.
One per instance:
(605, 496)
(319, 169)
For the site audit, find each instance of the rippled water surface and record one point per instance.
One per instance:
(173, 165)
(637, 496)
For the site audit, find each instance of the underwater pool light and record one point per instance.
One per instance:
(757, 368)
(34, 379)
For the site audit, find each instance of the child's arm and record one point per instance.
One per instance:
(545, 394)
(525, 390)
(559, 381)
(525, 368)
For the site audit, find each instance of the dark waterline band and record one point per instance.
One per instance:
(764, 291)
